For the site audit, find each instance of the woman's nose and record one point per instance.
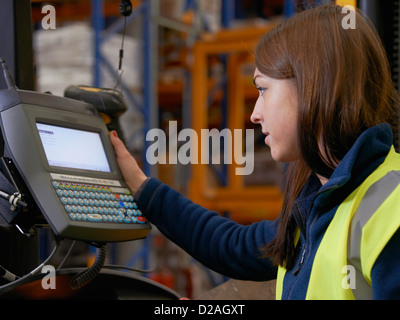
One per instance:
(256, 116)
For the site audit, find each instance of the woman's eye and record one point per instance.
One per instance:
(261, 90)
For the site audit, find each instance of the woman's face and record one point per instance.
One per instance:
(276, 112)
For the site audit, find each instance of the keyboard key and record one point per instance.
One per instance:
(94, 217)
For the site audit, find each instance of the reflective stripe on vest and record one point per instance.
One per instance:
(373, 199)
(360, 229)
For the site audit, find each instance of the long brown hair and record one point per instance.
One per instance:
(344, 86)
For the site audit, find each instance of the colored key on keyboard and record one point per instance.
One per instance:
(98, 203)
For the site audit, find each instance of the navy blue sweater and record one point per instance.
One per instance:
(235, 250)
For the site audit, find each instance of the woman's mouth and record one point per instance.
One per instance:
(266, 133)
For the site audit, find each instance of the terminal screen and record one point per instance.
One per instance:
(72, 148)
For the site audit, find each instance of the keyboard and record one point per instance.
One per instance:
(98, 203)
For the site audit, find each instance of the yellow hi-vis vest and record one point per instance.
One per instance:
(361, 228)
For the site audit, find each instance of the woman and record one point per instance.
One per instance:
(328, 107)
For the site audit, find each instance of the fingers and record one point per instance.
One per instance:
(114, 139)
(118, 145)
(133, 175)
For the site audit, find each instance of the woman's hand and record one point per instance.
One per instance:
(133, 175)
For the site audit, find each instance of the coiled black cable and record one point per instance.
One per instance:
(87, 275)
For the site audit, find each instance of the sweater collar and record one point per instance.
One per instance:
(367, 153)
